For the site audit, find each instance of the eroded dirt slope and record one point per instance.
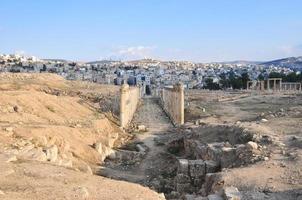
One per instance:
(52, 135)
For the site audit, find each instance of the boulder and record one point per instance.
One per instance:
(213, 183)
(228, 157)
(211, 166)
(182, 178)
(231, 193)
(183, 166)
(214, 197)
(252, 145)
(31, 153)
(52, 153)
(141, 128)
(183, 187)
(9, 129)
(197, 168)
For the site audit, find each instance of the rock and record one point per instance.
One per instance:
(52, 153)
(40, 141)
(197, 168)
(183, 187)
(31, 153)
(78, 126)
(140, 148)
(112, 155)
(8, 158)
(162, 196)
(213, 183)
(98, 147)
(194, 197)
(211, 166)
(266, 158)
(81, 192)
(2, 193)
(182, 178)
(231, 193)
(228, 157)
(252, 145)
(141, 128)
(17, 109)
(9, 129)
(214, 197)
(264, 120)
(183, 166)
(65, 163)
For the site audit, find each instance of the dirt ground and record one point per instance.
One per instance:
(49, 131)
(278, 116)
(54, 134)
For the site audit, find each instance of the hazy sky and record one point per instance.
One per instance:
(196, 30)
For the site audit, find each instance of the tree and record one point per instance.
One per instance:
(245, 78)
(211, 85)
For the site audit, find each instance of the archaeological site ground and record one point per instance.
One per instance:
(64, 139)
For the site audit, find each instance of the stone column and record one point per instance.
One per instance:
(181, 96)
(268, 87)
(274, 88)
(262, 85)
(123, 100)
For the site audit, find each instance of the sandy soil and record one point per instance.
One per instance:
(48, 131)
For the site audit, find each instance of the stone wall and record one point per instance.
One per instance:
(172, 101)
(129, 100)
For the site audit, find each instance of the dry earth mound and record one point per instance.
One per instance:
(47, 119)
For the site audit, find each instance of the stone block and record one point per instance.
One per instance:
(228, 157)
(213, 183)
(182, 178)
(215, 152)
(183, 187)
(231, 193)
(211, 166)
(197, 168)
(183, 166)
(215, 197)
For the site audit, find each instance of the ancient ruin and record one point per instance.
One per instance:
(273, 84)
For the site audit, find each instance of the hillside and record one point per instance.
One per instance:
(53, 136)
(291, 62)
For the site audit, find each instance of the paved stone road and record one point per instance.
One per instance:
(153, 117)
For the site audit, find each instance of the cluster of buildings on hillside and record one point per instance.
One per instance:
(149, 72)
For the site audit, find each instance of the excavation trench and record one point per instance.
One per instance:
(179, 161)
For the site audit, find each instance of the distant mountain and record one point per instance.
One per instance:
(291, 62)
(101, 62)
(242, 62)
(56, 60)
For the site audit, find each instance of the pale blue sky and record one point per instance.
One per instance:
(196, 30)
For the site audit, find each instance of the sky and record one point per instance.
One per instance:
(193, 30)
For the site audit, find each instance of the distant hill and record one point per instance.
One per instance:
(101, 62)
(291, 62)
(243, 62)
(56, 60)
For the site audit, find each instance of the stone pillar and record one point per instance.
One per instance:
(262, 85)
(268, 87)
(274, 88)
(181, 97)
(123, 100)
